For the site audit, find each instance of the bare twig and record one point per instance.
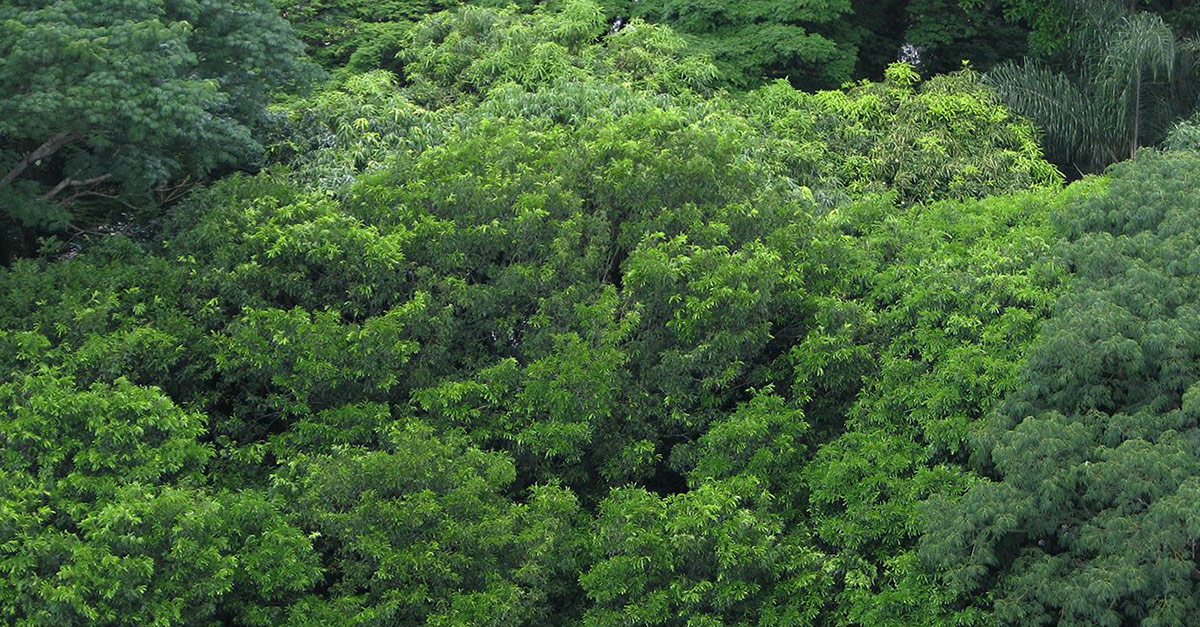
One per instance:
(169, 193)
(82, 231)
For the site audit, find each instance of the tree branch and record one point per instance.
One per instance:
(91, 192)
(52, 145)
(70, 182)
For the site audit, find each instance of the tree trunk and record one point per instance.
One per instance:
(1137, 112)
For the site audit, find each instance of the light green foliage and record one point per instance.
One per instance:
(1184, 135)
(262, 244)
(116, 313)
(749, 40)
(588, 300)
(957, 296)
(459, 55)
(712, 556)
(948, 137)
(286, 363)
(765, 438)
(538, 330)
(358, 124)
(106, 520)
(1088, 514)
(108, 516)
(120, 96)
(356, 35)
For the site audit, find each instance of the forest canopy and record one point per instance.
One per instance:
(598, 313)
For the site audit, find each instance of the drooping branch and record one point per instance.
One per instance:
(52, 145)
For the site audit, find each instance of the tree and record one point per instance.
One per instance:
(543, 329)
(1087, 515)
(946, 33)
(419, 531)
(757, 40)
(357, 35)
(948, 137)
(1124, 87)
(106, 100)
(462, 55)
(956, 292)
(709, 557)
(107, 519)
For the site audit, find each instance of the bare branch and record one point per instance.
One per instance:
(91, 192)
(170, 192)
(70, 182)
(52, 145)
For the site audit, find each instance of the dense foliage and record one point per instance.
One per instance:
(1087, 516)
(106, 102)
(1129, 75)
(523, 317)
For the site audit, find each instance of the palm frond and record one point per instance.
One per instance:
(1078, 128)
(1141, 44)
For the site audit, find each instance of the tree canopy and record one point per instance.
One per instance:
(114, 99)
(1086, 515)
(591, 314)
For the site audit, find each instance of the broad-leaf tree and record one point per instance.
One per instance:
(100, 101)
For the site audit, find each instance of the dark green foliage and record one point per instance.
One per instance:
(1087, 517)
(947, 33)
(1125, 79)
(99, 100)
(876, 28)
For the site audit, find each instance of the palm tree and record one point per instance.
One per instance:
(1125, 81)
